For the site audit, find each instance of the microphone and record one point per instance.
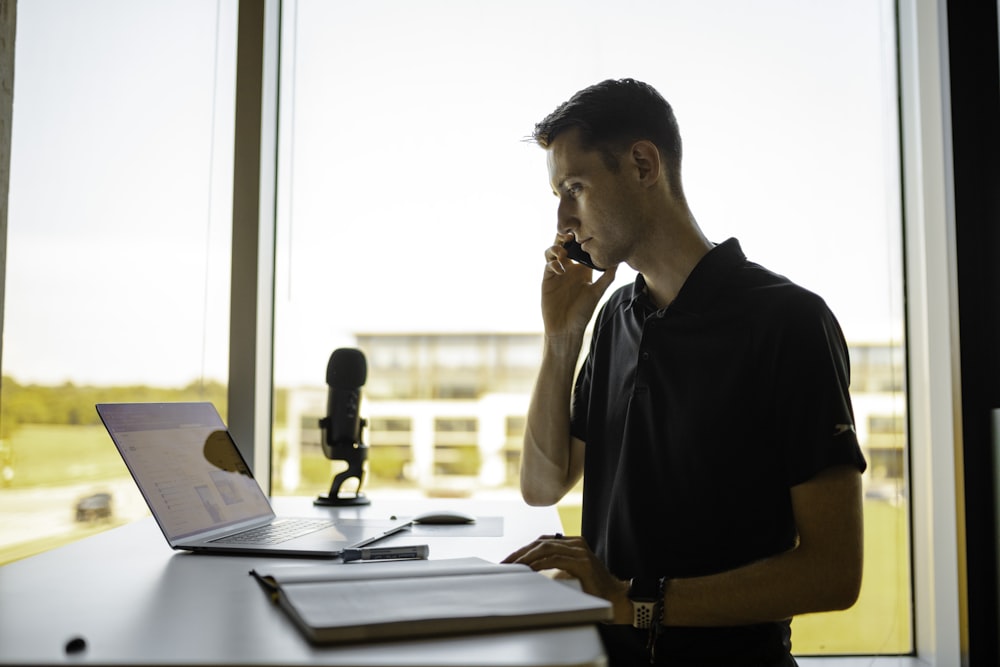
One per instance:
(346, 373)
(342, 427)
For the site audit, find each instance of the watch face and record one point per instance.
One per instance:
(644, 589)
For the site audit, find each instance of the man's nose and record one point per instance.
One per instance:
(566, 220)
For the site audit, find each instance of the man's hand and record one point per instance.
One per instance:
(552, 460)
(573, 558)
(569, 293)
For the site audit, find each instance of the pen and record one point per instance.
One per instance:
(412, 552)
(380, 536)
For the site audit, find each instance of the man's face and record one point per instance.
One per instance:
(596, 205)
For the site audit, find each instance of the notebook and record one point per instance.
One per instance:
(424, 598)
(201, 491)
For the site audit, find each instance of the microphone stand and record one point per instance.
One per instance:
(355, 454)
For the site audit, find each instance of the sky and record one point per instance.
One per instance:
(408, 200)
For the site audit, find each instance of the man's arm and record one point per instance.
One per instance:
(551, 459)
(822, 573)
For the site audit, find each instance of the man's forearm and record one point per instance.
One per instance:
(550, 462)
(777, 588)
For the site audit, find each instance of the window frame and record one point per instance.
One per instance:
(932, 331)
(255, 170)
(934, 395)
(8, 30)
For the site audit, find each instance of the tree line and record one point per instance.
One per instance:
(73, 405)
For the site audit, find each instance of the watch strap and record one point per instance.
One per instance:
(642, 614)
(644, 593)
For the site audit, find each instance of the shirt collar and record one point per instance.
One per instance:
(706, 278)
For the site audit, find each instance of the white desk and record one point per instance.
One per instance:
(137, 602)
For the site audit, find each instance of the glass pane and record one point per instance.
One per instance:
(412, 220)
(117, 282)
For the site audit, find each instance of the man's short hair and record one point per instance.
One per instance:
(613, 114)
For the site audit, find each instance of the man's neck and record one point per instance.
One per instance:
(667, 261)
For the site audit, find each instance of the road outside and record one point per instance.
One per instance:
(37, 518)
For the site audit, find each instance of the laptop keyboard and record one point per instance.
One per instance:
(280, 531)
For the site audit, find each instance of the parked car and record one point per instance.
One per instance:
(93, 507)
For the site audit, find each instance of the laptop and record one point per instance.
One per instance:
(201, 491)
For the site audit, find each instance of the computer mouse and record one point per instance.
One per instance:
(76, 645)
(444, 516)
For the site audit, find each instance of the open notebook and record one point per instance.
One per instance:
(364, 602)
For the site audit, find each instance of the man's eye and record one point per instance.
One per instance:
(574, 189)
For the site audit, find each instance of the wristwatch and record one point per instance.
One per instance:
(644, 592)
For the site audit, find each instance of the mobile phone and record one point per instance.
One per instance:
(578, 254)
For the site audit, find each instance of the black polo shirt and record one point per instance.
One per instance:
(700, 417)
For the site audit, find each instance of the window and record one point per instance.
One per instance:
(117, 274)
(119, 211)
(412, 216)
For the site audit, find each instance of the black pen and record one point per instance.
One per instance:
(381, 536)
(412, 552)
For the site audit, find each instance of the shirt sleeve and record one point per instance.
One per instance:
(580, 401)
(814, 418)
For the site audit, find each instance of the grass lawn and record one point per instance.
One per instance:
(45, 455)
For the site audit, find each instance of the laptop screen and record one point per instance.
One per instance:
(186, 466)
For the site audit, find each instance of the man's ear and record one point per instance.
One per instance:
(645, 159)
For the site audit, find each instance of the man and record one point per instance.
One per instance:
(710, 421)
